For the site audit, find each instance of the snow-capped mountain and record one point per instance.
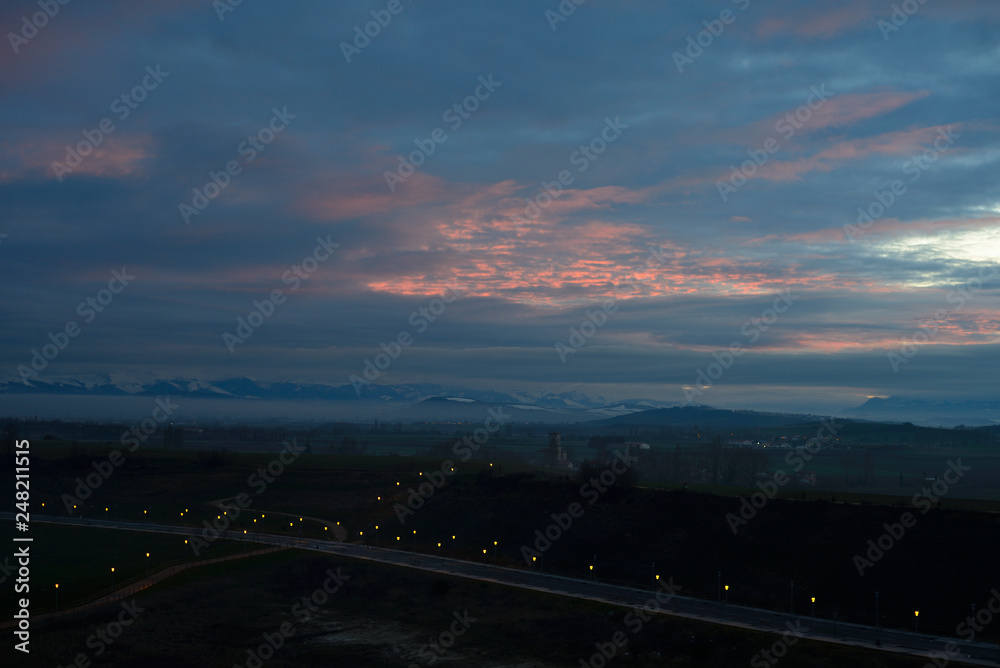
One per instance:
(412, 401)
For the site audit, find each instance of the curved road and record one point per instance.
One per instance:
(890, 640)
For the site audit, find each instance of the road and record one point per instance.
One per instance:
(890, 640)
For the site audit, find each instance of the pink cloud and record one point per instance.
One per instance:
(117, 156)
(901, 143)
(817, 20)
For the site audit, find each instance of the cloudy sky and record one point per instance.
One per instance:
(812, 185)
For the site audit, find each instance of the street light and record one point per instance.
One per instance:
(484, 556)
(376, 535)
(112, 579)
(414, 540)
(147, 565)
(727, 598)
(57, 597)
(452, 547)
(439, 548)
(813, 599)
(592, 571)
(916, 621)
(494, 553)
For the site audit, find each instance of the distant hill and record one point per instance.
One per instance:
(929, 412)
(706, 416)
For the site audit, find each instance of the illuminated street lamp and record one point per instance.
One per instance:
(376, 535)
(112, 579)
(147, 565)
(916, 621)
(727, 597)
(414, 540)
(592, 571)
(494, 553)
(813, 599)
(452, 547)
(439, 548)
(57, 597)
(484, 556)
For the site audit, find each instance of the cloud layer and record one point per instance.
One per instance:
(540, 166)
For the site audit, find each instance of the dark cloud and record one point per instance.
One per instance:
(527, 274)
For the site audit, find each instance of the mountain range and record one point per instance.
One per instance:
(243, 397)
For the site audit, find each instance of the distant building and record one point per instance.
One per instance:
(555, 455)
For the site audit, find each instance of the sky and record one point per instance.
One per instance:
(609, 197)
